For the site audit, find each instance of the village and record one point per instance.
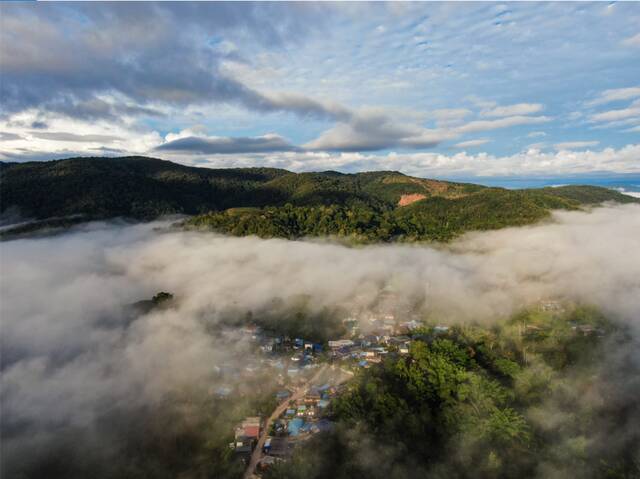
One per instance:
(311, 375)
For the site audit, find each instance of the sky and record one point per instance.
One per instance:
(454, 90)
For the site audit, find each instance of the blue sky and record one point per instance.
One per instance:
(431, 89)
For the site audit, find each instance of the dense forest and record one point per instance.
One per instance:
(268, 202)
(539, 395)
(145, 188)
(435, 218)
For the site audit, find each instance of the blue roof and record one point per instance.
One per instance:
(294, 426)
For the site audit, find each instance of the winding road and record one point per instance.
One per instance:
(298, 393)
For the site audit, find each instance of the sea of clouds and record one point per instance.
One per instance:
(70, 351)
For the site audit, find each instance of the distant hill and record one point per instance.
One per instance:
(275, 202)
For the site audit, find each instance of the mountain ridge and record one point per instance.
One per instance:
(277, 202)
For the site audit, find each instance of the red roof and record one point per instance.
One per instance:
(252, 431)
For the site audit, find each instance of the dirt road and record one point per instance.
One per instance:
(298, 393)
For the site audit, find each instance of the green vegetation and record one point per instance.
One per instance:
(270, 202)
(182, 436)
(159, 301)
(135, 187)
(435, 218)
(145, 188)
(527, 397)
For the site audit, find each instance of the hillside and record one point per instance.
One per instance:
(269, 202)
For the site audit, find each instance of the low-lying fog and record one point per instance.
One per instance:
(69, 353)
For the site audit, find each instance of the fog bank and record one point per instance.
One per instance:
(69, 353)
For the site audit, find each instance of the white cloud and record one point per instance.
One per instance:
(616, 94)
(631, 111)
(472, 143)
(377, 129)
(633, 41)
(572, 145)
(64, 137)
(449, 117)
(513, 110)
(537, 146)
(486, 125)
(214, 145)
(536, 134)
(530, 162)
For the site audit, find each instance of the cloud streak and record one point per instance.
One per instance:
(217, 145)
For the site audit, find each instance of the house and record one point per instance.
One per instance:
(249, 429)
(341, 343)
(411, 325)
(441, 329)
(551, 306)
(324, 387)
(586, 329)
(243, 449)
(279, 447)
(313, 395)
(294, 427)
(369, 340)
(302, 410)
(399, 339)
(280, 426)
(282, 395)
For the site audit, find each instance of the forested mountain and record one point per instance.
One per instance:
(500, 402)
(270, 202)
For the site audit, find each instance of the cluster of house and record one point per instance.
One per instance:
(301, 420)
(552, 306)
(289, 358)
(381, 324)
(557, 308)
(368, 349)
(246, 436)
(281, 357)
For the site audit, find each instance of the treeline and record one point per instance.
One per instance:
(145, 188)
(480, 403)
(431, 219)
